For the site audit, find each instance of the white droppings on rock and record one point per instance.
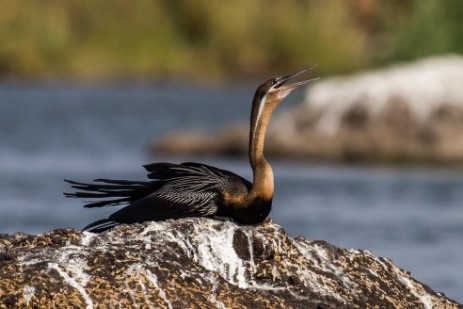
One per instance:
(215, 302)
(186, 246)
(130, 292)
(28, 292)
(213, 297)
(87, 238)
(215, 252)
(23, 261)
(425, 299)
(77, 268)
(153, 229)
(252, 265)
(154, 281)
(72, 282)
(135, 270)
(310, 278)
(385, 267)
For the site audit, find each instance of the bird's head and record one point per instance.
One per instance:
(276, 89)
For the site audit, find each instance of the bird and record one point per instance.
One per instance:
(193, 189)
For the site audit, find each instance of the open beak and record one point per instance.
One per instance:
(281, 86)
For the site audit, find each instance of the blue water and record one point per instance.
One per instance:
(412, 215)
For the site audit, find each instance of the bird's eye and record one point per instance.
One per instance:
(274, 81)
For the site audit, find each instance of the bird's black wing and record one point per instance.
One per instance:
(176, 190)
(197, 176)
(190, 189)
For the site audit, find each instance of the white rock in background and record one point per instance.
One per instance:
(423, 86)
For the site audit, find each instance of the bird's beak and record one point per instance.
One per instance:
(281, 86)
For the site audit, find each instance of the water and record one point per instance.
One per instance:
(412, 215)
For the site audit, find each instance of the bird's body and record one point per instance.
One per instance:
(194, 189)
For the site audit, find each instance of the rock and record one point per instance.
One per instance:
(199, 263)
(408, 113)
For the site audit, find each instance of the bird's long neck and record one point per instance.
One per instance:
(262, 172)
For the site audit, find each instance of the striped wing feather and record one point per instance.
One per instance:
(175, 190)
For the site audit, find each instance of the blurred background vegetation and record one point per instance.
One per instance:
(105, 39)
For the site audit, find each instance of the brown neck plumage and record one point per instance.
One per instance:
(267, 97)
(262, 109)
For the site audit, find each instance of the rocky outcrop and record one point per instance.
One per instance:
(199, 263)
(411, 112)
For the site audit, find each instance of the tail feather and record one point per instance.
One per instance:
(112, 192)
(121, 182)
(103, 203)
(100, 226)
(114, 185)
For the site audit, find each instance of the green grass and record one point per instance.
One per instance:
(219, 39)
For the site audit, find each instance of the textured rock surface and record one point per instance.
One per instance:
(412, 112)
(199, 263)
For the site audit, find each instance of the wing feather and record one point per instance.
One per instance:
(175, 191)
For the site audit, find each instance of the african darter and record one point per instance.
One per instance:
(195, 189)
